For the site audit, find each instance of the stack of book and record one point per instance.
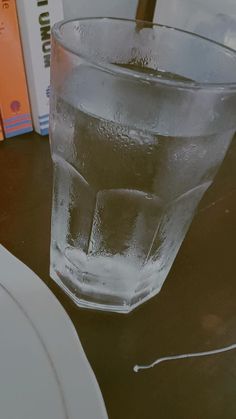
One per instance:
(25, 32)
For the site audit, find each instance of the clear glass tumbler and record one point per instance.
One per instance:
(141, 118)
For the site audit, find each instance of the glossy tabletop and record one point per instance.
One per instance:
(195, 310)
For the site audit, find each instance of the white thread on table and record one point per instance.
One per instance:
(137, 368)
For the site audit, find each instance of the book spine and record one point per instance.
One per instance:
(36, 18)
(15, 108)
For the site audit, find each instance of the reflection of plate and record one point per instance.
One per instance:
(43, 370)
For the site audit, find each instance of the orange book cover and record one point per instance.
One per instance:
(1, 131)
(15, 108)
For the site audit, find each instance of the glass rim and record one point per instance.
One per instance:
(128, 73)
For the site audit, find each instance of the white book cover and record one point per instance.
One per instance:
(36, 18)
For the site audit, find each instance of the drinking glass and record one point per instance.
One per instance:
(141, 118)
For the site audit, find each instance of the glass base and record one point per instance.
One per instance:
(86, 291)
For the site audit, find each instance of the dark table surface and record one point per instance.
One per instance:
(195, 311)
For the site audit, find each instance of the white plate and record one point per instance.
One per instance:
(44, 373)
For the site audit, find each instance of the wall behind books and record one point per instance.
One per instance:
(89, 8)
(215, 19)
